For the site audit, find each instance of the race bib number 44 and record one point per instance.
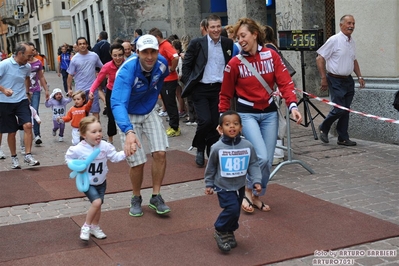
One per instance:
(234, 162)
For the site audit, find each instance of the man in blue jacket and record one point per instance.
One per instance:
(135, 93)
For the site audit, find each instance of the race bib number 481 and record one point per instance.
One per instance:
(234, 162)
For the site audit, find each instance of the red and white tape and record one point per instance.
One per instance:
(390, 120)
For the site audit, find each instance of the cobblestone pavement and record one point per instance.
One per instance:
(362, 178)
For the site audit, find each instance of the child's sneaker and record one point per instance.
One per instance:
(60, 139)
(85, 233)
(15, 163)
(2, 154)
(23, 152)
(157, 203)
(135, 206)
(222, 240)
(30, 160)
(54, 133)
(232, 239)
(38, 140)
(97, 232)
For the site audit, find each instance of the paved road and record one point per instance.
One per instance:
(363, 178)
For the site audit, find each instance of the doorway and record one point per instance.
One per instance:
(49, 52)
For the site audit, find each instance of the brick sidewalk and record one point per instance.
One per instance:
(361, 178)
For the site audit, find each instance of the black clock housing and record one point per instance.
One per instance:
(300, 40)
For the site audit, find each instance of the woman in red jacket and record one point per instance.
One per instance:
(109, 71)
(254, 104)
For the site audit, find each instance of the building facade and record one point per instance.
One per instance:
(45, 23)
(52, 23)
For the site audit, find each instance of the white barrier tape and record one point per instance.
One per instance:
(390, 120)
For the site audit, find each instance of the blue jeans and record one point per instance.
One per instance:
(96, 192)
(35, 101)
(230, 202)
(261, 130)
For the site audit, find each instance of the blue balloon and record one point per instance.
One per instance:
(79, 172)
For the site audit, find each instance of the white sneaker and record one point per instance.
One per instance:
(277, 161)
(163, 114)
(23, 152)
(2, 155)
(191, 123)
(60, 139)
(15, 163)
(97, 232)
(30, 160)
(85, 233)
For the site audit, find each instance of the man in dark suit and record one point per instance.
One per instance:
(202, 74)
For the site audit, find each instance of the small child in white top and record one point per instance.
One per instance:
(36, 117)
(58, 103)
(91, 132)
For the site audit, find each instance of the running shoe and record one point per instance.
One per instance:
(158, 204)
(30, 160)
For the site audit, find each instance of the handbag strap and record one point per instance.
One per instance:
(255, 73)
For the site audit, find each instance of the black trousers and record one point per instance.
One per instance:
(64, 74)
(111, 128)
(342, 92)
(206, 100)
(168, 94)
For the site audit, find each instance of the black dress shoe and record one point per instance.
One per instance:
(347, 142)
(200, 159)
(323, 136)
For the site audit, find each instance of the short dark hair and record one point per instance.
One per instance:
(81, 38)
(117, 46)
(156, 32)
(229, 112)
(212, 17)
(177, 45)
(31, 44)
(103, 35)
(119, 40)
(139, 32)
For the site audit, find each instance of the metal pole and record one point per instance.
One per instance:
(289, 151)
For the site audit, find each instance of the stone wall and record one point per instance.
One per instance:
(255, 9)
(179, 17)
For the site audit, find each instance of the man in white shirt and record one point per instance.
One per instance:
(336, 61)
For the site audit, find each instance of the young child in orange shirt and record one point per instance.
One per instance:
(76, 113)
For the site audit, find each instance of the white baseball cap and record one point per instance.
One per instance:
(147, 41)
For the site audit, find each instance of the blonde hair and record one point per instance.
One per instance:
(185, 41)
(85, 122)
(253, 27)
(79, 93)
(229, 28)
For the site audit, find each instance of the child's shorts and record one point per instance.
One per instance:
(96, 192)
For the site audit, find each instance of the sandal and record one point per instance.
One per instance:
(263, 207)
(250, 205)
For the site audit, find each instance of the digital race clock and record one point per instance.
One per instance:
(300, 40)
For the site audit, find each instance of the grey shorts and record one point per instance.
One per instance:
(151, 126)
